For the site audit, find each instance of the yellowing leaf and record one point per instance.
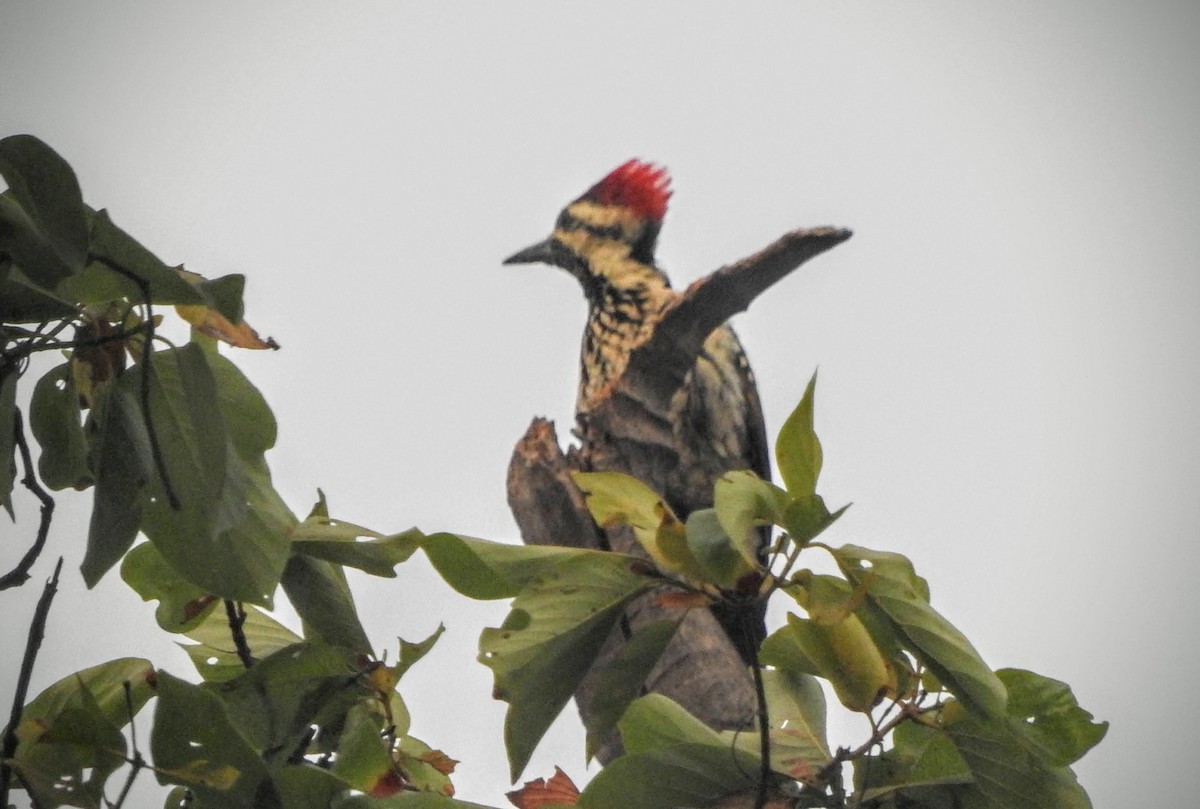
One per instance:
(201, 772)
(213, 324)
(381, 679)
(614, 498)
(837, 642)
(30, 730)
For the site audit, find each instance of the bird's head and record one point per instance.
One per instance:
(606, 237)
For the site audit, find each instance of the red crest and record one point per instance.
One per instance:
(642, 187)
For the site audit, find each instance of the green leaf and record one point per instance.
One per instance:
(614, 499)
(106, 685)
(306, 786)
(782, 649)
(558, 622)
(265, 533)
(484, 570)
(231, 535)
(98, 285)
(214, 653)
(419, 771)
(837, 641)
(620, 683)
(321, 596)
(410, 653)
(122, 467)
(846, 656)
(796, 708)
(683, 775)
(806, 518)
(351, 545)
(744, 502)
(46, 189)
(1007, 774)
(182, 605)
(797, 448)
(113, 246)
(362, 759)
(56, 422)
(225, 294)
(69, 761)
(8, 461)
(195, 744)
(22, 300)
(901, 598)
(287, 692)
(923, 762)
(248, 418)
(656, 722)
(72, 727)
(191, 434)
(1049, 717)
(717, 556)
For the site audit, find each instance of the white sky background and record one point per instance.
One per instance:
(1008, 345)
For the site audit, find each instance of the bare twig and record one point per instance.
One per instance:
(136, 763)
(20, 574)
(908, 711)
(22, 351)
(37, 342)
(236, 614)
(37, 630)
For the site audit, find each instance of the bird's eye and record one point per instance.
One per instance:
(567, 222)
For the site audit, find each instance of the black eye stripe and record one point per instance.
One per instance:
(567, 222)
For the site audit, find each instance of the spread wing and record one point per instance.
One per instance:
(658, 367)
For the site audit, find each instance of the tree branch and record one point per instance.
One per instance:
(236, 614)
(37, 630)
(908, 711)
(20, 574)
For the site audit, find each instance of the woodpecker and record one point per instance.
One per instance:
(606, 239)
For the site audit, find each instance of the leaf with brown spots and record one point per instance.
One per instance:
(388, 784)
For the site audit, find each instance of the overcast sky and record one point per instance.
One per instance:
(1008, 345)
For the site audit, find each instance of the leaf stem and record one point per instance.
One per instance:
(793, 555)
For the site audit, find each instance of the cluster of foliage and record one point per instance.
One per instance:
(171, 440)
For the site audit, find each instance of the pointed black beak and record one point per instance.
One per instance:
(541, 253)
